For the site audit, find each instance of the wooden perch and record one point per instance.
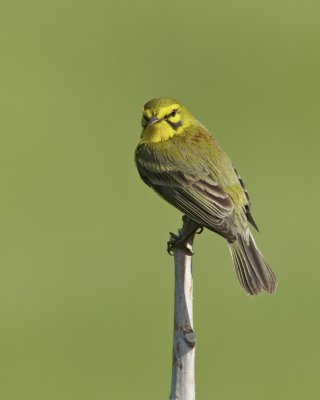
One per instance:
(184, 340)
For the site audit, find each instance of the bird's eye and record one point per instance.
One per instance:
(172, 114)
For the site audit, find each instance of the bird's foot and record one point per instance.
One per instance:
(189, 229)
(174, 242)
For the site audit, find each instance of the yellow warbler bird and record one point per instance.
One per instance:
(183, 163)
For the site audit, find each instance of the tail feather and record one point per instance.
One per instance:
(247, 277)
(252, 269)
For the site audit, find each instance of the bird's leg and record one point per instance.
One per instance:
(189, 228)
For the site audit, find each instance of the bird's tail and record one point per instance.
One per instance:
(252, 269)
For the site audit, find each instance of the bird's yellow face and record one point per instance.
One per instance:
(162, 119)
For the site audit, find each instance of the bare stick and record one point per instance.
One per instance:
(184, 340)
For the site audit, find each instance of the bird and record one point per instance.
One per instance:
(181, 161)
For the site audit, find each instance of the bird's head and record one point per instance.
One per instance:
(162, 119)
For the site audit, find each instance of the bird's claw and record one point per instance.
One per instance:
(181, 239)
(170, 248)
(174, 242)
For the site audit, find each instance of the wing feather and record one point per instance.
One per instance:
(197, 195)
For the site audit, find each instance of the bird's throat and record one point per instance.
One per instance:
(159, 132)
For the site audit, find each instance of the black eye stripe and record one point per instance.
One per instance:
(175, 125)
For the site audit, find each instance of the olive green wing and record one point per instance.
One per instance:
(196, 194)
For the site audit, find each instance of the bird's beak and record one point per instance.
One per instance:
(153, 120)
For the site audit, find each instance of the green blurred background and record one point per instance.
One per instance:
(86, 286)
